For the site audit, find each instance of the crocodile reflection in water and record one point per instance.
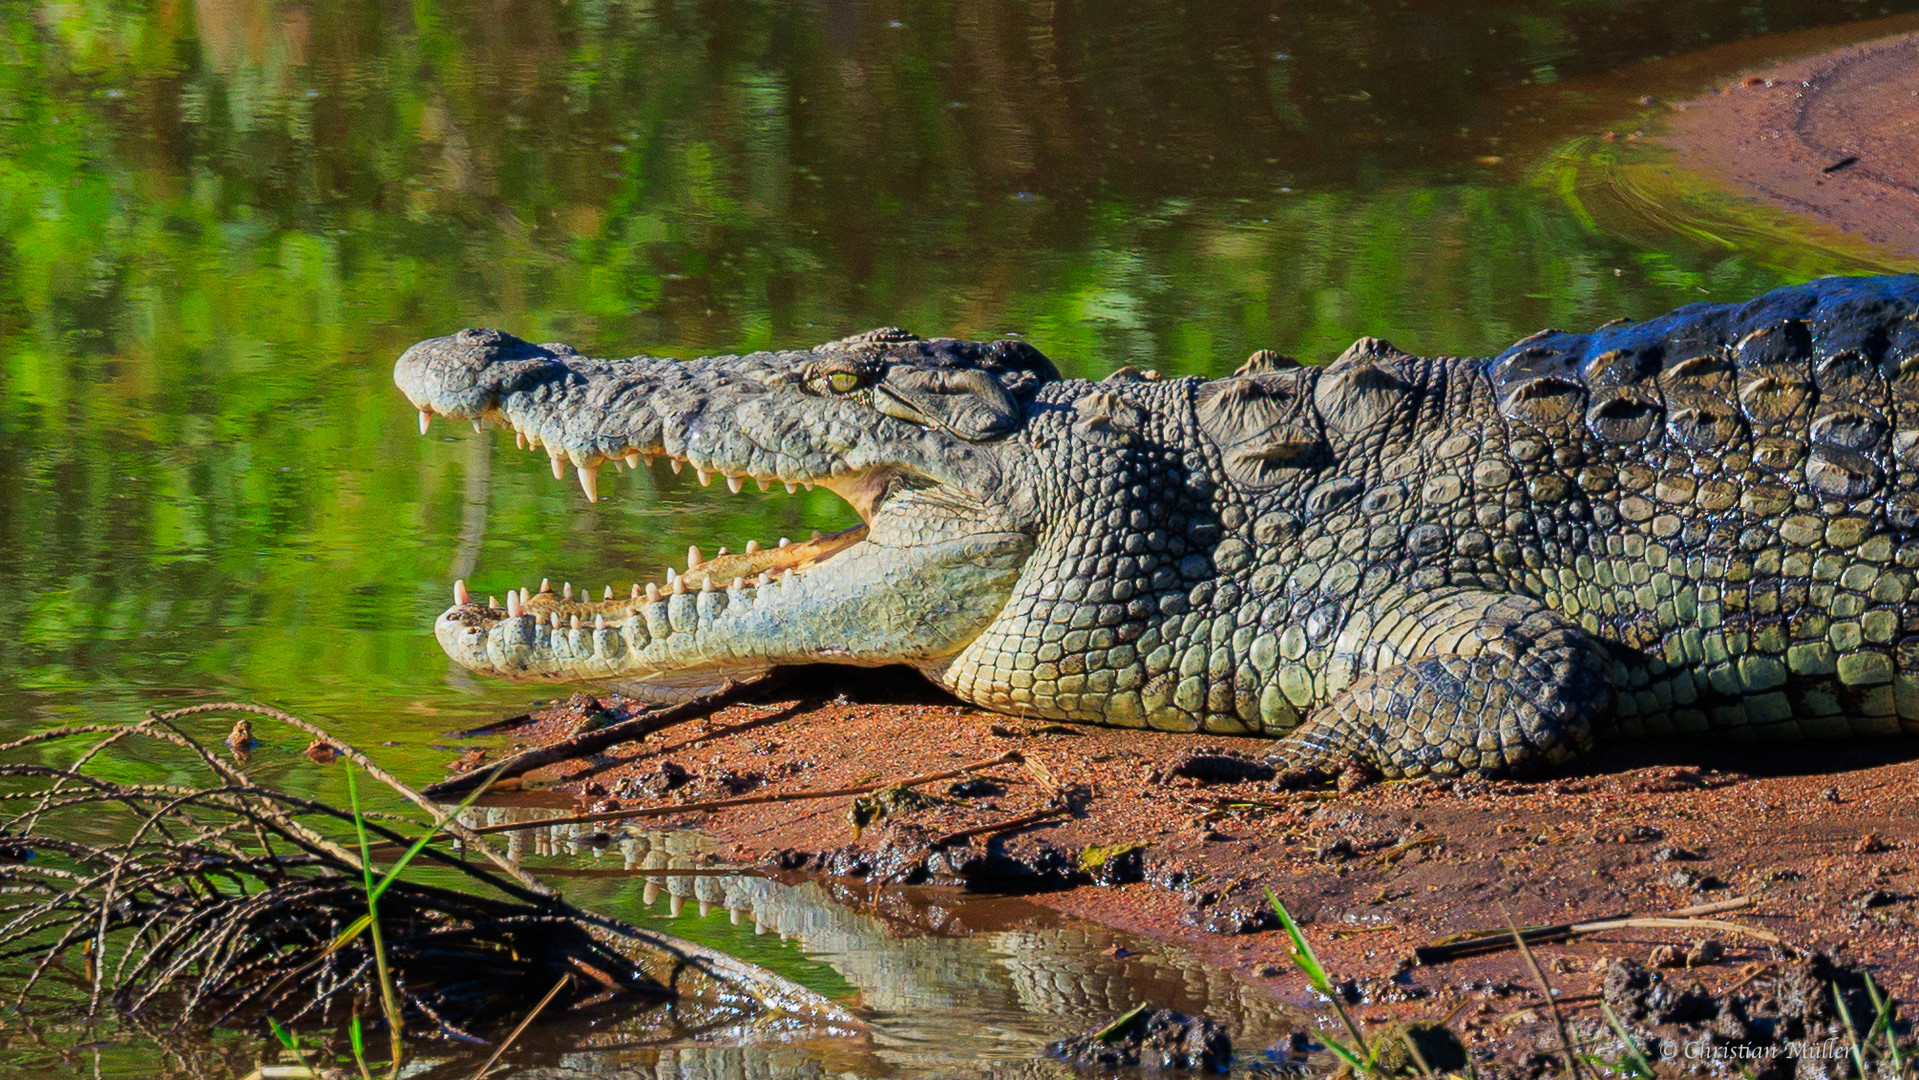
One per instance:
(1026, 976)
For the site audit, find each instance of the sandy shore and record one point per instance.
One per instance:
(1834, 137)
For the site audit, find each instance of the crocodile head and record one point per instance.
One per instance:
(914, 435)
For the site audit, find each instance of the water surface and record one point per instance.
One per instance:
(220, 221)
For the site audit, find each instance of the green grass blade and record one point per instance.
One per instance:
(1852, 1032)
(1641, 1068)
(1882, 1019)
(1303, 956)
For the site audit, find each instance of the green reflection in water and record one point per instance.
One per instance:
(220, 221)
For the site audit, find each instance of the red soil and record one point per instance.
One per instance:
(1824, 838)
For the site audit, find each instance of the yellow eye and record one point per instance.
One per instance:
(843, 382)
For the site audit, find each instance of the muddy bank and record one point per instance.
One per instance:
(1834, 137)
(1176, 837)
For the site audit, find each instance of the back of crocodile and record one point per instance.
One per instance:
(1736, 506)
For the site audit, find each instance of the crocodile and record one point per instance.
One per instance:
(1706, 523)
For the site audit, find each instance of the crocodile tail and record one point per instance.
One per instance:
(1818, 383)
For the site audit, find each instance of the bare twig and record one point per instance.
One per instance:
(1477, 942)
(1008, 758)
(592, 742)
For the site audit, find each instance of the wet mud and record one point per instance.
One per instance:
(1178, 838)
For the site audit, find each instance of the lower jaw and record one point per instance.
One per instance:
(863, 605)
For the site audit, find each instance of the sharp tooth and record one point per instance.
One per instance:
(791, 487)
(733, 484)
(784, 541)
(752, 546)
(576, 621)
(648, 458)
(559, 467)
(738, 584)
(525, 597)
(808, 487)
(532, 440)
(556, 620)
(590, 482)
(706, 583)
(616, 464)
(514, 609)
(633, 459)
(609, 593)
(546, 585)
(652, 593)
(426, 418)
(636, 590)
(763, 581)
(765, 485)
(459, 593)
(693, 559)
(679, 586)
(492, 603)
(566, 590)
(519, 440)
(675, 462)
(721, 552)
(476, 427)
(599, 622)
(671, 576)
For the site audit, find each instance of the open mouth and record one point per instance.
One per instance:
(741, 574)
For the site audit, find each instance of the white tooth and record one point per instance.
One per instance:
(576, 621)
(609, 593)
(559, 468)
(525, 597)
(752, 546)
(808, 487)
(633, 459)
(765, 485)
(546, 584)
(519, 440)
(532, 440)
(492, 603)
(636, 590)
(706, 583)
(617, 467)
(721, 552)
(556, 620)
(706, 478)
(566, 590)
(459, 593)
(738, 584)
(648, 458)
(675, 462)
(590, 482)
(693, 559)
(514, 609)
(426, 418)
(671, 576)
(679, 586)
(476, 427)
(784, 541)
(791, 487)
(652, 593)
(764, 580)
(599, 622)
(733, 484)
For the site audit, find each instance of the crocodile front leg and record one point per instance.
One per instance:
(1461, 682)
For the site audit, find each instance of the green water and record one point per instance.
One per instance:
(221, 220)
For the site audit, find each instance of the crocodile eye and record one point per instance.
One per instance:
(843, 382)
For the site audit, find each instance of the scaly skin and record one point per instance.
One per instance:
(1705, 522)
